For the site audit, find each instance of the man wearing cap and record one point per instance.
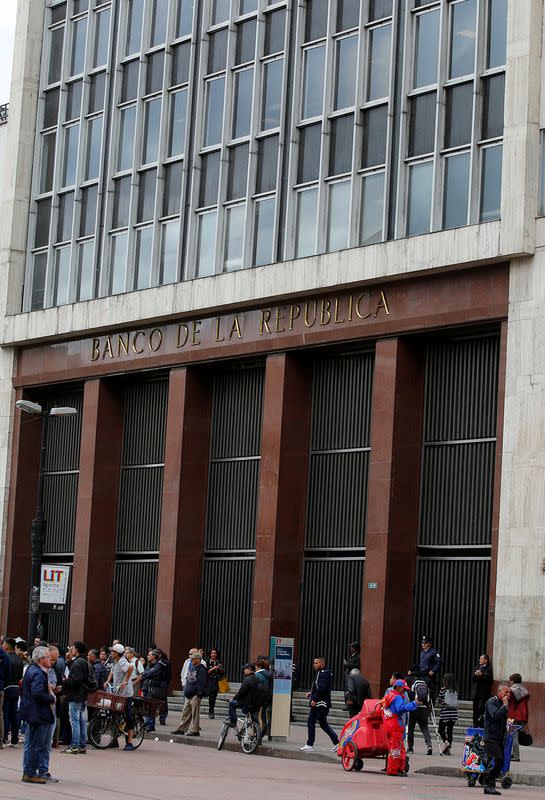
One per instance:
(430, 664)
(194, 689)
(120, 681)
(247, 696)
(353, 660)
(394, 707)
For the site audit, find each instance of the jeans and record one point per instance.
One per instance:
(232, 712)
(78, 723)
(43, 767)
(35, 752)
(11, 713)
(318, 714)
(494, 750)
(420, 717)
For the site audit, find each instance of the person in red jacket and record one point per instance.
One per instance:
(394, 707)
(518, 709)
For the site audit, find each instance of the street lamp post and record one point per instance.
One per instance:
(39, 523)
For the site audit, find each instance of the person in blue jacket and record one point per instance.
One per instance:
(394, 708)
(430, 664)
(320, 703)
(37, 701)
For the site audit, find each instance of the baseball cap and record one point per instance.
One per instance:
(401, 683)
(118, 648)
(249, 665)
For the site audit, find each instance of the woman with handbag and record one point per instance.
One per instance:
(518, 712)
(215, 674)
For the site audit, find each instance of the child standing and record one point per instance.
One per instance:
(448, 700)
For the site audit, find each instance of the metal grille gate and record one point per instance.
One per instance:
(228, 568)
(139, 516)
(336, 510)
(453, 569)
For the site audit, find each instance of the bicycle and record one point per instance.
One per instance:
(248, 733)
(108, 723)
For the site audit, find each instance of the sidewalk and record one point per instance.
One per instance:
(530, 771)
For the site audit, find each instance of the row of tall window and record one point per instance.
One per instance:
(179, 139)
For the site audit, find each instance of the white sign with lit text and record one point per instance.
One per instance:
(54, 584)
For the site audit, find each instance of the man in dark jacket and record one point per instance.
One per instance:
(495, 724)
(5, 674)
(430, 664)
(357, 691)
(482, 680)
(154, 682)
(11, 693)
(37, 701)
(320, 703)
(194, 689)
(76, 687)
(419, 690)
(353, 660)
(100, 671)
(247, 698)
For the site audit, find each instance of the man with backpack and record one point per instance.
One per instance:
(76, 686)
(419, 690)
(266, 678)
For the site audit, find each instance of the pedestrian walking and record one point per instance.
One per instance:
(448, 714)
(495, 725)
(11, 694)
(482, 679)
(320, 703)
(215, 673)
(353, 660)
(194, 691)
(518, 709)
(76, 686)
(356, 692)
(119, 679)
(37, 701)
(394, 708)
(419, 690)
(430, 664)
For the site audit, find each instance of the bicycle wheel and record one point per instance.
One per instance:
(102, 731)
(250, 737)
(223, 734)
(138, 732)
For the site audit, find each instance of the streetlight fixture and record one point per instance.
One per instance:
(37, 534)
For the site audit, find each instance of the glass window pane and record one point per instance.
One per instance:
(214, 111)
(92, 160)
(348, 14)
(206, 245)
(419, 205)
(80, 5)
(494, 93)
(159, 22)
(264, 232)
(88, 210)
(267, 164)
(122, 194)
(238, 171)
(245, 47)
(96, 92)
(48, 162)
(146, 195)
(308, 167)
(71, 137)
(73, 100)
(497, 34)
(340, 148)
(378, 84)
(234, 237)
(129, 86)
(372, 208)
(491, 183)
(217, 50)
(459, 115)
(378, 9)
(126, 138)
(375, 131)
(462, 38)
(456, 191)
(220, 11)
(65, 217)
(86, 271)
(180, 64)
(185, 18)
(339, 216)
(210, 174)
(426, 47)
(345, 72)
(102, 30)
(55, 55)
(305, 238)
(154, 72)
(246, 6)
(152, 123)
(77, 59)
(134, 27)
(272, 94)
(118, 263)
(58, 13)
(43, 218)
(422, 124)
(242, 112)
(38, 281)
(169, 252)
(62, 276)
(178, 119)
(51, 108)
(142, 272)
(173, 188)
(275, 24)
(316, 19)
(313, 82)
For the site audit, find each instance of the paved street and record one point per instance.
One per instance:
(164, 771)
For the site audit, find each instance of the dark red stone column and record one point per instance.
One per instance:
(96, 516)
(392, 516)
(183, 515)
(283, 480)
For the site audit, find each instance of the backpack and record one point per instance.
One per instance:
(263, 689)
(451, 698)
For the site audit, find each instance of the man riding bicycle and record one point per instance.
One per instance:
(247, 698)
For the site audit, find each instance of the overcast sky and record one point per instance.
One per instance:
(7, 33)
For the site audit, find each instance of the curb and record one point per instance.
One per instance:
(522, 778)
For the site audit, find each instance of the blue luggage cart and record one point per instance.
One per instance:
(475, 761)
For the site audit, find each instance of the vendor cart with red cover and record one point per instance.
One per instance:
(363, 737)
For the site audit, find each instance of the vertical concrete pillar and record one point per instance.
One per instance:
(392, 515)
(283, 480)
(183, 514)
(96, 515)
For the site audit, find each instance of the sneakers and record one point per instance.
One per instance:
(12, 744)
(307, 748)
(129, 747)
(430, 752)
(49, 778)
(335, 748)
(410, 750)
(82, 750)
(73, 751)
(33, 779)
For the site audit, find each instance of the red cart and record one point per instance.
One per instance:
(363, 737)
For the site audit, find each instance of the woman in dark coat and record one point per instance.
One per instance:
(482, 680)
(215, 674)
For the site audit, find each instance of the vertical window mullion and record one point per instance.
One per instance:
(442, 74)
(325, 139)
(480, 63)
(389, 132)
